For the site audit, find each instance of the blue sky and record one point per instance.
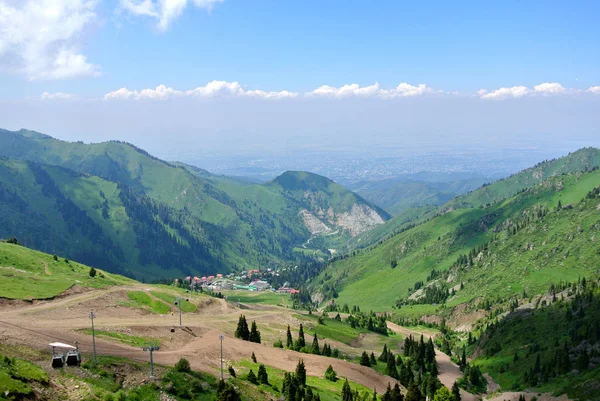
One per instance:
(432, 55)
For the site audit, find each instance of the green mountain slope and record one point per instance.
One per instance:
(385, 275)
(154, 217)
(399, 195)
(581, 160)
(29, 274)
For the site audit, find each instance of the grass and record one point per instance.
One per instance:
(29, 274)
(332, 329)
(327, 390)
(140, 299)
(186, 306)
(134, 341)
(16, 375)
(563, 242)
(263, 297)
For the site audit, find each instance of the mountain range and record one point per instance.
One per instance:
(113, 205)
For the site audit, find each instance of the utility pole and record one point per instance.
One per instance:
(221, 337)
(92, 316)
(178, 303)
(151, 347)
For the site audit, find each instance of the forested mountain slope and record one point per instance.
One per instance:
(153, 217)
(522, 243)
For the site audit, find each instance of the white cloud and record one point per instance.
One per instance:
(549, 88)
(504, 93)
(406, 90)
(164, 11)
(212, 89)
(57, 96)
(402, 90)
(345, 91)
(594, 89)
(38, 38)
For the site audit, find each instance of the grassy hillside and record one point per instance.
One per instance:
(524, 241)
(29, 274)
(581, 160)
(550, 348)
(153, 217)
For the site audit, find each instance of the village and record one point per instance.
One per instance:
(247, 280)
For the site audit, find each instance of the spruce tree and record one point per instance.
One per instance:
(315, 346)
(330, 374)
(253, 357)
(387, 396)
(289, 341)
(301, 341)
(413, 393)
(242, 329)
(263, 378)
(301, 373)
(397, 394)
(384, 354)
(372, 359)
(254, 333)
(364, 359)
(252, 377)
(347, 392)
(456, 391)
(390, 369)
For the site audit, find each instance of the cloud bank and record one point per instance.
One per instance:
(40, 38)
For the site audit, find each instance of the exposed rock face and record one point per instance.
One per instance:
(359, 219)
(313, 224)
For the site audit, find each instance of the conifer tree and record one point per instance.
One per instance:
(289, 341)
(384, 354)
(364, 359)
(301, 341)
(301, 373)
(390, 369)
(397, 394)
(263, 378)
(254, 333)
(242, 329)
(347, 392)
(252, 377)
(372, 359)
(315, 345)
(456, 392)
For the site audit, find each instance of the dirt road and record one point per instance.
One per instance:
(61, 319)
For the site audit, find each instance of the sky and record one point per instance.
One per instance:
(221, 76)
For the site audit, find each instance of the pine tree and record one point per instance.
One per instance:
(263, 378)
(254, 333)
(330, 374)
(301, 373)
(315, 346)
(253, 357)
(226, 392)
(242, 329)
(387, 396)
(456, 391)
(289, 341)
(463, 360)
(390, 369)
(372, 359)
(364, 359)
(301, 341)
(347, 392)
(384, 354)
(252, 377)
(413, 393)
(397, 394)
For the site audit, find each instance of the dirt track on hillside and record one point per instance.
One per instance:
(42, 322)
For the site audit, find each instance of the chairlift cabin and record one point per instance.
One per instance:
(72, 357)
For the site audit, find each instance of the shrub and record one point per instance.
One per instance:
(330, 374)
(183, 365)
